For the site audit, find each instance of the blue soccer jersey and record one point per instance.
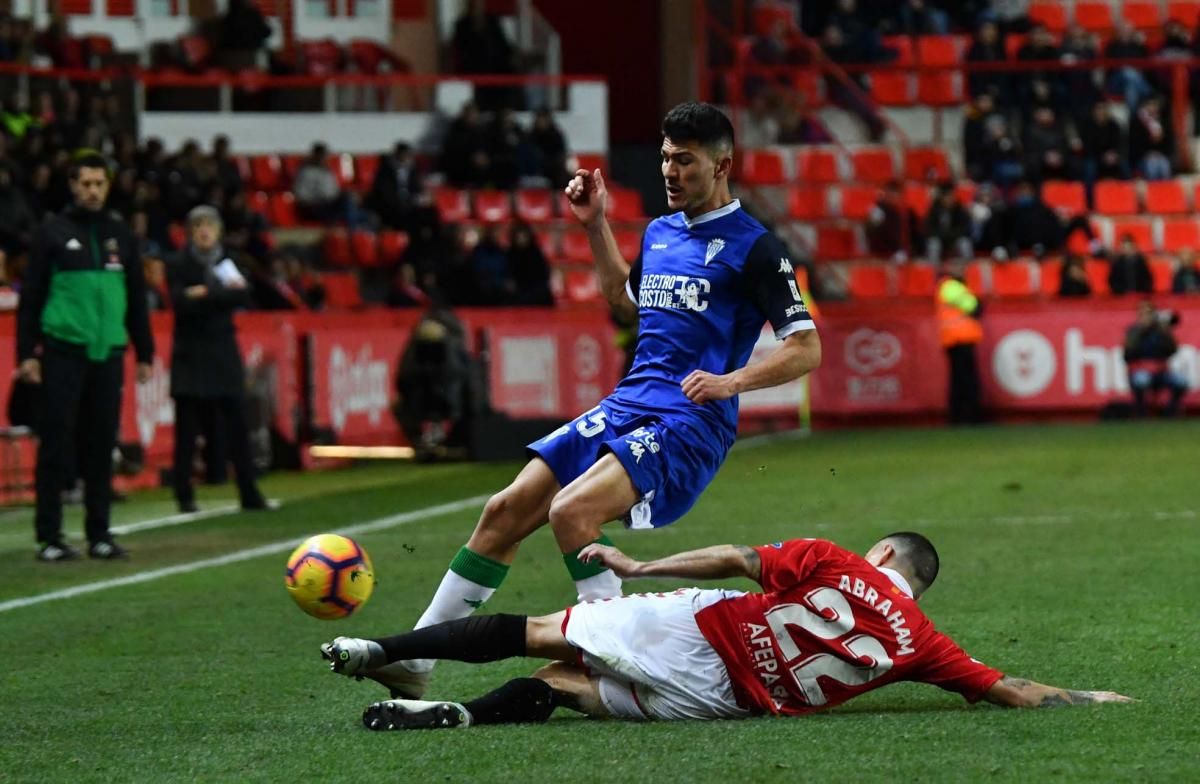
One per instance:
(704, 287)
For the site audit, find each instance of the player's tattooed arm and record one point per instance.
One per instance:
(710, 563)
(1022, 693)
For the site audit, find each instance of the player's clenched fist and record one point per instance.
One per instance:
(621, 564)
(701, 387)
(587, 196)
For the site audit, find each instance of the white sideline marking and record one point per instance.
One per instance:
(378, 524)
(187, 517)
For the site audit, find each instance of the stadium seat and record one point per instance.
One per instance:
(1097, 275)
(810, 85)
(976, 277)
(1180, 234)
(195, 50)
(870, 281)
(576, 248)
(365, 167)
(815, 164)
(548, 242)
(321, 57)
(919, 162)
(1186, 11)
(365, 247)
(1013, 43)
(341, 290)
(452, 205)
(808, 202)
(762, 167)
(917, 280)
(940, 89)
(625, 203)
(873, 164)
(535, 205)
(1140, 229)
(964, 191)
(335, 247)
(581, 286)
(917, 197)
(1068, 196)
(1094, 16)
(591, 161)
(1166, 197)
(836, 242)
(291, 165)
(282, 213)
(1142, 14)
(392, 245)
(492, 206)
(942, 50)
(902, 45)
(1115, 197)
(266, 172)
(260, 202)
(1013, 278)
(1162, 273)
(177, 234)
(1051, 277)
(342, 167)
(1053, 15)
(858, 200)
(629, 243)
(892, 88)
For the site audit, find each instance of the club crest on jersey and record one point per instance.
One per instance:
(714, 247)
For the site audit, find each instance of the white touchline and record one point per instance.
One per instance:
(378, 524)
(175, 519)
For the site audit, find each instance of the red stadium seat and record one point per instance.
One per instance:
(917, 197)
(1180, 234)
(291, 165)
(1166, 197)
(392, 245)
(576, 248)
(767, 15)
(1013, 43)
(625, 203)
(858, 200)
(535, 205)
(629, 243)
(1013, 278)
(1142, 14)
(1097, 275)
(1069, 196)
(452, 205)
(365, 167)
(763, 167)
(1093, 16)
(1051, 276)
(581, 286)
(975, 278)
(591, 161)
(196, 51)
(322, 57)
(810, 85)
(1162, 273)
(940, 89)
(836, 242)
(964, 191)
(917, 280)
(870, 281)
(341, 290)
(336, 248)
(902, 45)
(282, 212)
(177, 234)
(260, 202)
(1115, 197)
(365, 247)
(1186, 11)
(816, 164)
(1051, 14)
(1140, 229)
(493, 206)
(808, 202)
(266, 172)
(873, 164)
(892, 88)
(920, 162)
(943, 50)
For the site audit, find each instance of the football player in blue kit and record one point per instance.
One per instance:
(707, 278)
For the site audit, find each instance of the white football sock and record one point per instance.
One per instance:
(456, 597)
(605, 585)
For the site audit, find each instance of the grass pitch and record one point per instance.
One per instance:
(1068, 556)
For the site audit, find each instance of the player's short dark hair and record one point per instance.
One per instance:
(919, 553)
(88, 159)
(698, 122)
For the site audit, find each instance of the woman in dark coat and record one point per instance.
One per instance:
(207, 376)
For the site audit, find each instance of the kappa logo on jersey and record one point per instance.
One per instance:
(659, 246)
(644, 440)
(714, 247)
(678, 292)
(785, 267)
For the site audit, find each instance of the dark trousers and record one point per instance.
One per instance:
(78, 395)
(189, 412)
(965, 407)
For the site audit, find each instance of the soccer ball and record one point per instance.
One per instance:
(329, 576)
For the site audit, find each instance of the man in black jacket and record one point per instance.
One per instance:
(83, 301)
(206, 365)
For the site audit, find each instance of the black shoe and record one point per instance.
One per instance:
(415, 715)
(260, 504)
(188, 507)
(53, 552)
(107, 550)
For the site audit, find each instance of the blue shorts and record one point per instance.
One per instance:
(671, 458)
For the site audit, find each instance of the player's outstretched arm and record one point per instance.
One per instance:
(588, 197)
(799, 354)
(1022, 693)
(711, 563)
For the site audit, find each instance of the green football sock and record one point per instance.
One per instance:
(580, 570)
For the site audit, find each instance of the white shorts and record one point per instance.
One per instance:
(650, 657)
